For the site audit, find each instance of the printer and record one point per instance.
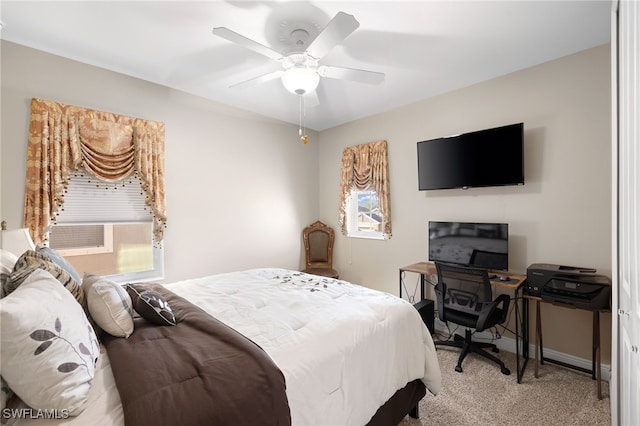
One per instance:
(569, 285)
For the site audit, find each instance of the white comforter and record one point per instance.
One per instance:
(341, 358)
(344, 349)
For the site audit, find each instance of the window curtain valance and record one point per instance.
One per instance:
(365, 167)
(63, 138)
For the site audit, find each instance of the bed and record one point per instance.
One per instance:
(343, 354)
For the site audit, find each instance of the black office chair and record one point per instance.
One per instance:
(465, 298)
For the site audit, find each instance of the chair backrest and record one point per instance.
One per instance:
(318, 245)
(463, 289)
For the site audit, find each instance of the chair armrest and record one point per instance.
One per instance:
(487, 312)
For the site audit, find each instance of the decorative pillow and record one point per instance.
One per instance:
(29, 261)
(55, 257)
(48, 349)
(151, 306)
(109, 305)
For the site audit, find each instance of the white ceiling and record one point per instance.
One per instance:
(424, 47)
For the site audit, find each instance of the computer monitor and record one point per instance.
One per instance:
(482, 245)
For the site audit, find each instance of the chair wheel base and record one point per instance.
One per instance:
(496, 350)
(458, 369)
(505, 371)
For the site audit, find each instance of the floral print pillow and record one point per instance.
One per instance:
(48, 349)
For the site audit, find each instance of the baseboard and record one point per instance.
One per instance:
(509, 344)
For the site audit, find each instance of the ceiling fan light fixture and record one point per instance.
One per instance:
(300, 80)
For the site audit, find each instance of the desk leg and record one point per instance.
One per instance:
(518, 326)
(522, 335)
(595, 356)
(539, 315)
(539, 356)
(525, 329)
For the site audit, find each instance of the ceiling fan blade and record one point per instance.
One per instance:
(257, 80)
(336, 30)
(363, 76)
(234, 37)
(311, 99)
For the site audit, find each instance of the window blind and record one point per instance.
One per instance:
(89, 200)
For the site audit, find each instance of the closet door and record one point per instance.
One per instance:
(626, 73)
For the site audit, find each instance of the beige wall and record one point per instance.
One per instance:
(562, 213)
(239, 187)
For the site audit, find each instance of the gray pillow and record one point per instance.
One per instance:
(57, 258)
(109, 304)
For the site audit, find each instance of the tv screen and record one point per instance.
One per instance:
(482, 245)
(491, 157)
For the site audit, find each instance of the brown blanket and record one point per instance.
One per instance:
(198, 372)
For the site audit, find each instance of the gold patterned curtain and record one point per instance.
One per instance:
(364, 168)
(63, 138)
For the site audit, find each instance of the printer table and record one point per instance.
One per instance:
(595, 346)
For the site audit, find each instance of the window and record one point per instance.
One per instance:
(364, 215)
(107, 229)
(364, 209)
(107, 213)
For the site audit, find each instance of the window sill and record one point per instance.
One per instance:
(135, 277)
(368, 237)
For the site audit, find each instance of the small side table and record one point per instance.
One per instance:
(595, 371)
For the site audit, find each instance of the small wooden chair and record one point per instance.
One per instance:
(318, 247)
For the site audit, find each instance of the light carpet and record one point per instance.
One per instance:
(482, 395)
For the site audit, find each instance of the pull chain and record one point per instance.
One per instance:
(302, 131)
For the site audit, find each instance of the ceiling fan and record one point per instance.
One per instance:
(300, 71)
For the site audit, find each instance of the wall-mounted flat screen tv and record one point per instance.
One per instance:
(482, 245)
(490, 157)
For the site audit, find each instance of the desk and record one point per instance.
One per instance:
(595, 345)
(515, 284)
